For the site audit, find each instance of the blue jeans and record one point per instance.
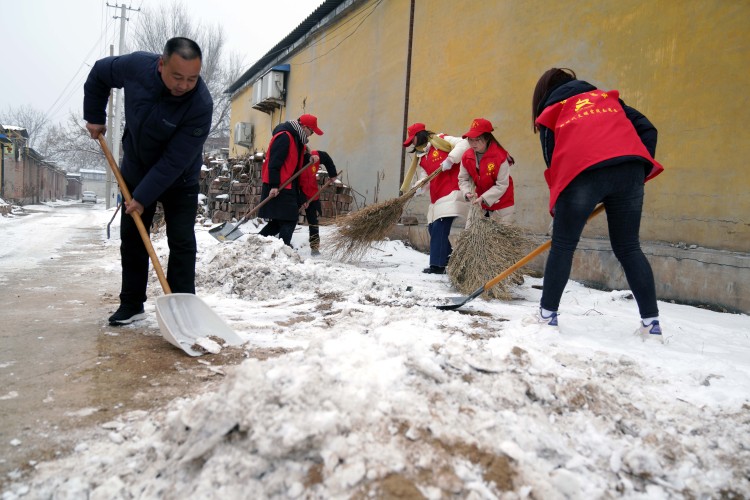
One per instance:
(180, 205)
(440, 245)
(620, 188)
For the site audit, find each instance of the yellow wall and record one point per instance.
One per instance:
(684, 64)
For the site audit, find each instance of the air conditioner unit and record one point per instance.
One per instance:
(244, 135)
(273, 85)
(269, 91)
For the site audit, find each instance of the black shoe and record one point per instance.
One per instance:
(314, 252)
(126, 314)
(434, 270)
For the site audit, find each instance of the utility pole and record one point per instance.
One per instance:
(116, 137)
(108, 190)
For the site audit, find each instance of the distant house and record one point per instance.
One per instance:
(25, 176)
(94, 180)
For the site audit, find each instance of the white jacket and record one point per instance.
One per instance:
(453, 204)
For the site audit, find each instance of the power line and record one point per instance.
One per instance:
(342, 41)
(65, 89)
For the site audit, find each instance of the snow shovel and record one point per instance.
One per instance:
(460, 301)
(225, 231)
(184, 319)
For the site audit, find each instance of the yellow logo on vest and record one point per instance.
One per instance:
(490, 167)
(435, 153)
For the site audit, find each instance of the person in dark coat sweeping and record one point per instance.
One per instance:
(168, 112)
(286, 154)
(597, 150)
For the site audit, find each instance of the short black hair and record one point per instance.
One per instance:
(183, 47)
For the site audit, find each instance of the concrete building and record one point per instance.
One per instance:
(369, 68)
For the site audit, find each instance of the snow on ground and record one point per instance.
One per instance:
(377, 393)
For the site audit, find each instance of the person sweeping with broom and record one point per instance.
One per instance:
(485, 178)
(308, 183)
(438, 152)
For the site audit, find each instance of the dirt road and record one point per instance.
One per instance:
(63, 370)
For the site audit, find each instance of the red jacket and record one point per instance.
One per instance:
(308, 179)
(291, 163)
(486, 176)
(445, 183)
(589, 128)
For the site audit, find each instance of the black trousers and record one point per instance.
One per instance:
(283, 228)
(180, 206)
(311, 214)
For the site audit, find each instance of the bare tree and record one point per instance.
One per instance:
(33, 120)
(156, 26)
(70, 145)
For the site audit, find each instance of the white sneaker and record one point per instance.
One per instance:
(651, 331)
(540, 319)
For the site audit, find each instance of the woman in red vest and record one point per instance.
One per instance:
(439, 151)
(485, 173)
(308, 182)
(597, 150)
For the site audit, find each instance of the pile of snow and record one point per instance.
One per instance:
(377, 393)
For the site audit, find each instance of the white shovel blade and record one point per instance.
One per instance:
(187, 322)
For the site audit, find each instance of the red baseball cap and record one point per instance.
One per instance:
(310, 121)
(478, 127)
(412, 131)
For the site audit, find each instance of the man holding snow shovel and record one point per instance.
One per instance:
(286, 155)
(168, 112)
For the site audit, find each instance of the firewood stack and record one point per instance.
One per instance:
(233, 187)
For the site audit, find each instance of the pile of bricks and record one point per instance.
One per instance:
(233, 188)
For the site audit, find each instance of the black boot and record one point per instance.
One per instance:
(126, 314)
(434, 270)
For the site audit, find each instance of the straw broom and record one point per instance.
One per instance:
(356, 231)
(482, 250)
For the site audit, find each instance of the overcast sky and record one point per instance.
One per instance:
(50, 45)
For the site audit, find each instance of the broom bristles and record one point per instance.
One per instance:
(357, 231)
(484, 250)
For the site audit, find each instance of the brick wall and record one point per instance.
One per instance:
(233, 189)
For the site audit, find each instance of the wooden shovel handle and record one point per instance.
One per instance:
(541, 248)
(136, 216)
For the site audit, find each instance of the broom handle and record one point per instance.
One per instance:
(325, 185)
(541, 248)
(136, 216)
(421, 183)
(268, 198)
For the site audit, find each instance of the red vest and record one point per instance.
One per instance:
(486, 176)
(308, 179)
(445, 183)
(291, 163)
(589, 128)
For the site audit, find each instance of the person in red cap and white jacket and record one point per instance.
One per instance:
(485, 178)
(285, 156)
(433, 152)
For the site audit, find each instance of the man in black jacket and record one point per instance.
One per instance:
(168, 112)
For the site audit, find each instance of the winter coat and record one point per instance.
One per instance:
(445, 198)
(582, 127)
(490, 180)
(285, 155)
(164, 134)
(309, 178)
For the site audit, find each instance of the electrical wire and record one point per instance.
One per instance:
(342, 41)
(54, 109)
